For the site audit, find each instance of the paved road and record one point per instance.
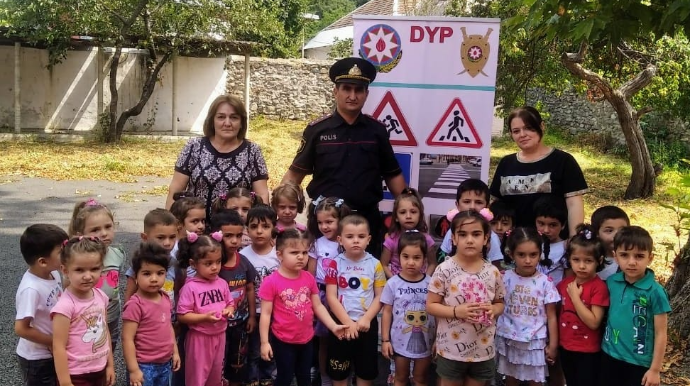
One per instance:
(25, 201)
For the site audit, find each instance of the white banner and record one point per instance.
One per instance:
(435, 93)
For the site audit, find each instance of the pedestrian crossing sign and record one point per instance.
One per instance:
(455, 129)
(388, 112)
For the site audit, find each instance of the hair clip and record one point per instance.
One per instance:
(412, 231)
(508, 232)
(486, 213)
(339, 203)
(586, 233)
(223, 196)
(407, 190)
(64, 243)
(192, 237)
(252, 194)
(218, 236)
(92, 202)
(318, 202)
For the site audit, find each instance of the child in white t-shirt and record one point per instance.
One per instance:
(38, 292)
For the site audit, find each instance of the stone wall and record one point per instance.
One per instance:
(576, 114)
(283, 88)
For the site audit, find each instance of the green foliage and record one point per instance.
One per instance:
(329, 11)
(340, 49)
(680, 205)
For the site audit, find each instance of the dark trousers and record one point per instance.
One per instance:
(259, 371)
(292, 361)
(236, 350)
(619, 373)
(89, 379)
(38, 372)
(178, 376)
(580, 368)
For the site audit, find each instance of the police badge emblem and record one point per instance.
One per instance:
(474, 52)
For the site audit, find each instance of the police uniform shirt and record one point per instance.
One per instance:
(347, 161)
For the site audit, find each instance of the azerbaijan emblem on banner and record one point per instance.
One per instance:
(474, 52)
(381, 45)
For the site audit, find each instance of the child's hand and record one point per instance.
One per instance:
(110, 376)
(472, 312)
(574, 290)
(339, 330)
(266, 351)
(352, 331)
(176, 362)
(251, 324)
(363, 324)
(551, 353)
(229, 311)
(651, 378)
(136, 377)
(213, 316)
(387, 350)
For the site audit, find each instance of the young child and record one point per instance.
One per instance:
(523, 345)
(240, 276)
(406, 329)
(637, 321)
(261, 222)
(148, 338)
(289, 301)
(354, 282)
(288, 200)
(91, 218)
(408, 214)
(241, 200)
(81, 342)
(324, 215)
(160, 227)
(205, 304)
(551, 216)
(466, 296)
(504, 218)
(38, 292)
(472, 194)
(606, 222)
(584, 299)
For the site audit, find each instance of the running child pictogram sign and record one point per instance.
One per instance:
(455, 129)
(388, 112)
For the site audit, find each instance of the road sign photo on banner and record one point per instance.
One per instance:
(435, 93)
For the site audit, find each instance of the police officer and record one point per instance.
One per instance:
(349, 152)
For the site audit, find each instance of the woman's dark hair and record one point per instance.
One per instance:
(184, 202)
(333, 205)
(587, 239)
(151, 253)
(520, 235)
(530, 116)
(284, 237)
(196, 250)
(413, 196)
(237, 104)
(413, 238)
(82, 244)
(221, 202)
(467, 217)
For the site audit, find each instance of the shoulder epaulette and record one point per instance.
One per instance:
(320, 119)
(374, 119)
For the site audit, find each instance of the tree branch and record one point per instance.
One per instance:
(133, 17)
(643, 111)
(117, 15)
(573, 62)
(149, 37)
(640, 81)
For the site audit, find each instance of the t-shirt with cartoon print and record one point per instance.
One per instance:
(356, 281)
(35, 298)
(412, 329)
(459, 339)
(524, 317)
(237, 277)
(324, 251)
(110, 278)
(264, 265)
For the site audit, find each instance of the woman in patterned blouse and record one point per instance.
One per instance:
(222, 159)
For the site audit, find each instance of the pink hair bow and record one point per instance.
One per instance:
(218, 236)
(192, 237)
(486, 213)
(92, 202)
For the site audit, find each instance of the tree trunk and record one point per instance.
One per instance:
(643, 178)
(111, 131)
(678, 288)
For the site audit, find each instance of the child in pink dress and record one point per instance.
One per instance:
(81, 341)
(204, 305)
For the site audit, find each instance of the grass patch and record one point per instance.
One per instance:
(606, 174)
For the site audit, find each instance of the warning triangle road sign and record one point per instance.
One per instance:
(455, 129)
(388, 112)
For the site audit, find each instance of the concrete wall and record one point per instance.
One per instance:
(64, 98)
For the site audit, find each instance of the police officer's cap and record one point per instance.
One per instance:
(352, 70)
